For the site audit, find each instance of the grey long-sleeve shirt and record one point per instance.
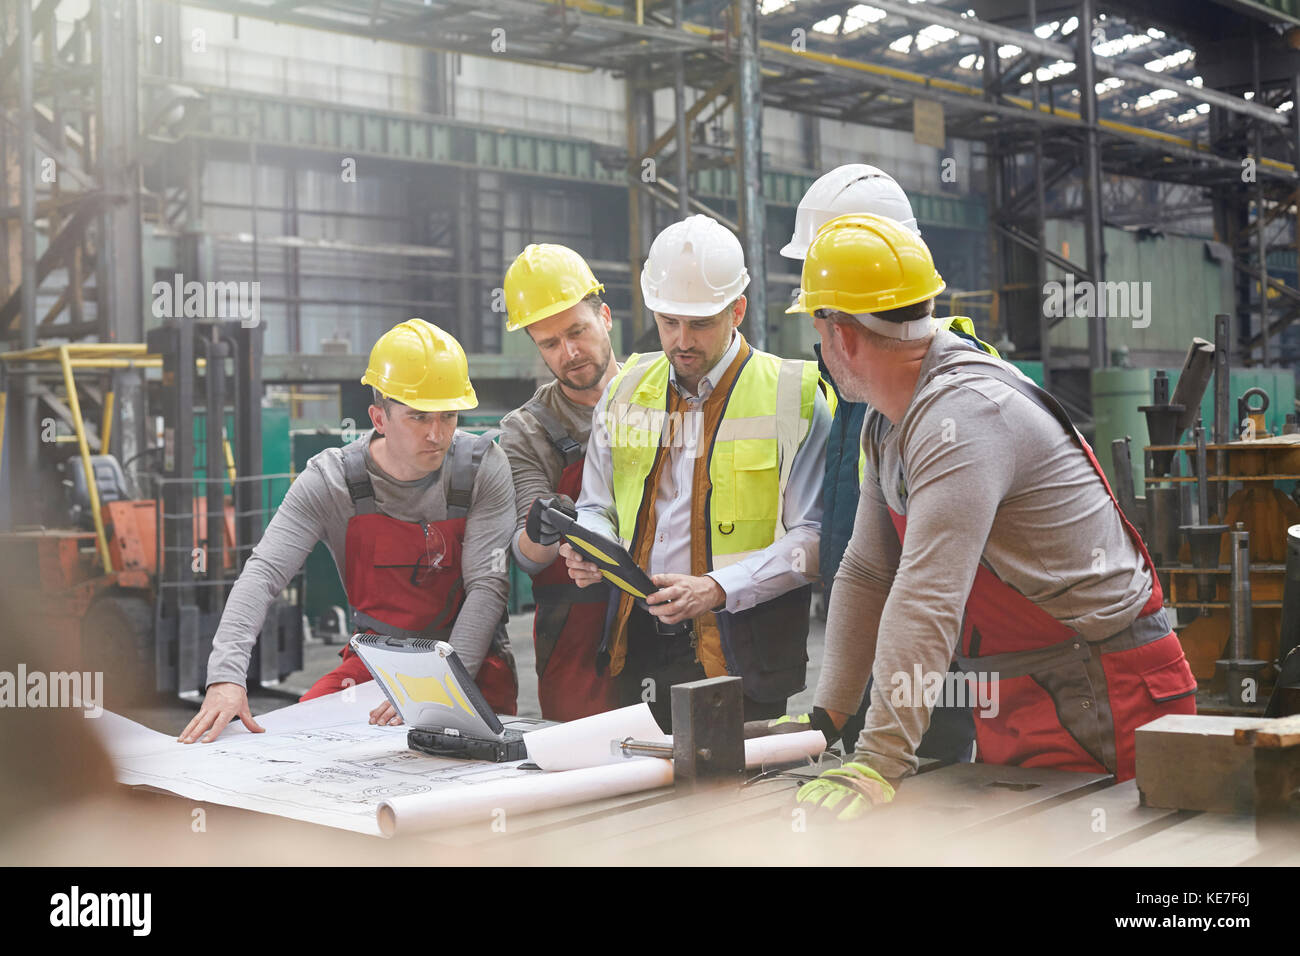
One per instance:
(318, 508)
(535, 465)
(983, 475)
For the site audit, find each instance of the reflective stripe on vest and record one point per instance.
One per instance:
(768, 415)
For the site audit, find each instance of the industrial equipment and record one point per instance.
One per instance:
(1227, 574)
(131, 581)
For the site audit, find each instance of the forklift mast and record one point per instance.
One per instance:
(195, 576)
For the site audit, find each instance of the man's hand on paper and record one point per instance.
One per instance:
(683, 596)
(221, 704)
(385, 713)
(582, 572)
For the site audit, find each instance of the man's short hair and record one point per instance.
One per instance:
(908, 313)
(383, 401)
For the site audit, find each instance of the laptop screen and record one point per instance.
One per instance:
(427, 684)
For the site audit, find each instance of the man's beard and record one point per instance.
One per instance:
(587, 376)
(845, 380)
(697, 367)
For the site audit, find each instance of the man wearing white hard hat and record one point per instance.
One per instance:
(859, 188)
(706, 461)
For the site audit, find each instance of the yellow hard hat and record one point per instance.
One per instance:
(544, 280)
(863, 263)
(418, 364)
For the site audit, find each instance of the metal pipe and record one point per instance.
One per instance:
(1240, 641)
(92, 486)
(27, 462)
(1033, 44)
(679, 105)
(1094, 238)
(214, 453)
(106, 422)
(639, 215)
(753, 214)
(1261, 239)
(640, 748)
(1040, 218)
(1122, 457)
(1202, 479)
(1290, 635)
(1222, 383)
(252, 199)
(1198, 366)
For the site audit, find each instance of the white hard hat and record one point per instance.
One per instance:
(695, 267)
(852, 188)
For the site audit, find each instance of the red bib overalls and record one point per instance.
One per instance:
(1064, 702)
(569, 621)
(403, 578)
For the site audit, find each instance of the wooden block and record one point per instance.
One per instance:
(1275, 733)
(1192, 762)
(1277, 793)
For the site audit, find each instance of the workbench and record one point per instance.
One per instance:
(953, 815)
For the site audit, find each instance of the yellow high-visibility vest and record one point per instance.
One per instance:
(768, 416)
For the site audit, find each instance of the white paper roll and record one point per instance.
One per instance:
(783, 748)
(586, 742)
(517, 795)
(546, 790)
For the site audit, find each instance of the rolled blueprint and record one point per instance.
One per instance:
(587, 742)
(542, 791)
(545, 790)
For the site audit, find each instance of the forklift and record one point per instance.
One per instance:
(130, 576)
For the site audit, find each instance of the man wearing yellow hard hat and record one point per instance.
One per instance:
(854, 188)
(706, 461)
(553, 296)
(985, 532)
(417, 515)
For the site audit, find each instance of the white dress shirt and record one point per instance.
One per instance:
(787, 563)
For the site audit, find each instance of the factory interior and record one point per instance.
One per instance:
(650, 433)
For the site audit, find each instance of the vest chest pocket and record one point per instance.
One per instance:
(757, 479)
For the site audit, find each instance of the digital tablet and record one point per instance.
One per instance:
(615, 564)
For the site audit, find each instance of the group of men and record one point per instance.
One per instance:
(950, 509)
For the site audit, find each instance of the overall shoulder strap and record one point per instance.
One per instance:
(462, 463)
(1044, 399)
(564, 443)
(996, 369)
(360, 488)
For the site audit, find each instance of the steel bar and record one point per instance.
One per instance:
(1094, 236)
(753, 214)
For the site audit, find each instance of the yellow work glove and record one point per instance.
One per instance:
(794, 723)
(801, 719)
(848, 791)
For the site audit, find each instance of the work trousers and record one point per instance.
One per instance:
(665, 660)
